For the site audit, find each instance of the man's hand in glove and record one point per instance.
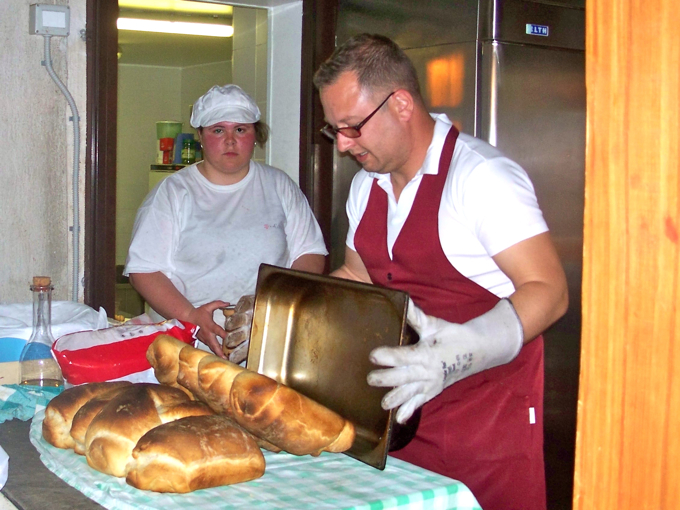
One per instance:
(238, 325)
(446, 353)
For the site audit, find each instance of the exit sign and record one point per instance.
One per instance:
(537, 29)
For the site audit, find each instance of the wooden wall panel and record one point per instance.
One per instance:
(628, 439)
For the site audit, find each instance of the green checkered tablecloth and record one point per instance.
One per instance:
(22, 402)
(330, 481)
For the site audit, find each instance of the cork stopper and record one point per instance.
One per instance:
(41, 281)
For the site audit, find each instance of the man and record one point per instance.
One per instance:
(450, 220)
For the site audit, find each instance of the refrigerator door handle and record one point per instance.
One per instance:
(490, 85)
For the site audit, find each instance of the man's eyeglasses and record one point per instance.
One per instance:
(351, 131)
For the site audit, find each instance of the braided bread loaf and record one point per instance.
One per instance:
(286, 418)
(280, 417)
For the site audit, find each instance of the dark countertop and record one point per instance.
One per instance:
(30, 485)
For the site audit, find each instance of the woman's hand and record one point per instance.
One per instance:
(209, 332)
(168, 301)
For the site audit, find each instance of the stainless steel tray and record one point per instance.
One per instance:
(314, 333)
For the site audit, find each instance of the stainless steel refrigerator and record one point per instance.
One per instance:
(510, 72)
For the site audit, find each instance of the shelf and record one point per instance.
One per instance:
(168, 168)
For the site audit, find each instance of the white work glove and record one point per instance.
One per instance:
(445, 353)
(237, 326)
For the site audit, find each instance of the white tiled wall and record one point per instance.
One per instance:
(284, 64)
(146, 94)
(197, 80)
(249, 59)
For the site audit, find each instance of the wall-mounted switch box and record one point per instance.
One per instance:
(48, 20)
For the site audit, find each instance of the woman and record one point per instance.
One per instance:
(202, 233)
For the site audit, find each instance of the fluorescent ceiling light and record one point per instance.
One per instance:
(175, 27)
(176, 6)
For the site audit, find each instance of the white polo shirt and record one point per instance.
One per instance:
(488, 204)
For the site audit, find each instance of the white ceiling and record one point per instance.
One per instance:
(173, 50)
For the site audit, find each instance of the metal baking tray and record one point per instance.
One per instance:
(314, 333)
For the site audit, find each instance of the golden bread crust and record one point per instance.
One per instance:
(187, 375)
(85, 415)
(59, 413)
(194, 453)
(286, 418)
(215, 377)
(115, 430)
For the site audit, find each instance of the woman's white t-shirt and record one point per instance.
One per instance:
(210, 240)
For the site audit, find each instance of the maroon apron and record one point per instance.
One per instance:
(479, 429)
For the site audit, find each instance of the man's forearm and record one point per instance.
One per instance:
(541, 294)
(539, 305)
(353, 268)
(343, 272)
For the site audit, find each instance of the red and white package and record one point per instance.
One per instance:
(112, 353)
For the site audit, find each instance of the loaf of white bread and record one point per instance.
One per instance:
(115, 430)
(154, 435)
(59, 413)
(194, 453)
(85, 415)
(271, 411)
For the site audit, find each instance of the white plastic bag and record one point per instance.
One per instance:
(16, 324)
(116, 353)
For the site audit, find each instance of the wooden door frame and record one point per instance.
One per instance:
(316, 155)
(100, 161)
(319, 21)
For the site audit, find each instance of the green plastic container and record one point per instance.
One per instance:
(168, 129)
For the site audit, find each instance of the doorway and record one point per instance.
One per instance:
(160, 75)
(300, 35)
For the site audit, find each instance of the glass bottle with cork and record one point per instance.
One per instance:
(36, 363)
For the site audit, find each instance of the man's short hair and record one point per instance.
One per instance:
(378, 62)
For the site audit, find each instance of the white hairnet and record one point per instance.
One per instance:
(224, 104)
